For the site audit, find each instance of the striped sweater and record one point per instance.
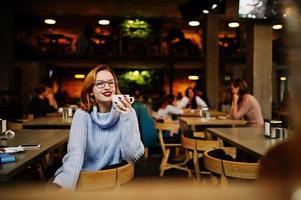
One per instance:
(97, 140)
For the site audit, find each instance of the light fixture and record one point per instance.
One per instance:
(214, 6)
(277, 26)
(194, 23)
(206, 11)
(49, 21)
(193, 78)
(79, 76)
(282, 78)
(233, 24)
(104, 22)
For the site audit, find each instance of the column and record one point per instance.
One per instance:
(6, 41)
(259, 65)
(212, 59)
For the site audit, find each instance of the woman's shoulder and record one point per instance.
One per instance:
(80, 113)
(250, 97)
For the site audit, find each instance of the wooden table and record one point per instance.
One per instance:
(48, 139)
(196, 113)
(248, 139)
(48, 123)
(197, 121)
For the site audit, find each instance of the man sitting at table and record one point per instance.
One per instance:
(43, 103)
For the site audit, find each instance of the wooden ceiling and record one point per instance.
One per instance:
(118, 8)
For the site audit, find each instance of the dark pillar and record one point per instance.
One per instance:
(212, 59)
(6, 41)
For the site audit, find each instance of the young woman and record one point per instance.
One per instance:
(244, 105)
(190, 100)
(100, 135)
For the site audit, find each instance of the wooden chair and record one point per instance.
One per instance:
(102, 179)
(234, 169)
(166, 148)
(197, 147)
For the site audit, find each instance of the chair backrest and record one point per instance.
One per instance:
(199, 145)
(165, 126)
(205, 145)
(233, 169)
(108, 178)
(188, 143)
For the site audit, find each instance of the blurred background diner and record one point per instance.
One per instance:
(214, 74)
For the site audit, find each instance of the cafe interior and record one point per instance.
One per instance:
(212, 86)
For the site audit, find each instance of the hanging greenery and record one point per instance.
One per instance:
(136, 28)
(135, 79)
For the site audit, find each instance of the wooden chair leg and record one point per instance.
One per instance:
(213, 179)
(177, 152)
(224, 181)
(146, 152)
(164, 163)
(38, 167)
(196, 165)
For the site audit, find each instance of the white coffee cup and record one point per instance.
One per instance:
(117, 97)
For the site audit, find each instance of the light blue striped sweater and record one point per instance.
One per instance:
(97, 140)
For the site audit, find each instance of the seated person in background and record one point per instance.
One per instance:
(43, 103)
(244, 105)
(167, 111)
(168, 108)
(190, 100)
(147, 129)
(198, 92)
(179, 97)
(101, 134)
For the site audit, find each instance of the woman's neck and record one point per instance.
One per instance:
(104, 107)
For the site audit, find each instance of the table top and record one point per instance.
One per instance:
(48, 123)
(196, 113)
(248, 139)
(192, 121)
(48, 139)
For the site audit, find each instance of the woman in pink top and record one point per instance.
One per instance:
(244, 105)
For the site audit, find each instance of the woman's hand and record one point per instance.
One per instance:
(123, 105)
(51, 100)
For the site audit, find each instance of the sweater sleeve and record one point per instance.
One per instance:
(67, 175)
(131, 148)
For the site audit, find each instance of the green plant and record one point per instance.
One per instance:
(136, 28)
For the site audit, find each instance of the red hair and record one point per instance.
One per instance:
(86, 100)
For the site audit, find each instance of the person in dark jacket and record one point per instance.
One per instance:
(43, 102)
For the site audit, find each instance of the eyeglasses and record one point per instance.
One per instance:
(102, 84)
